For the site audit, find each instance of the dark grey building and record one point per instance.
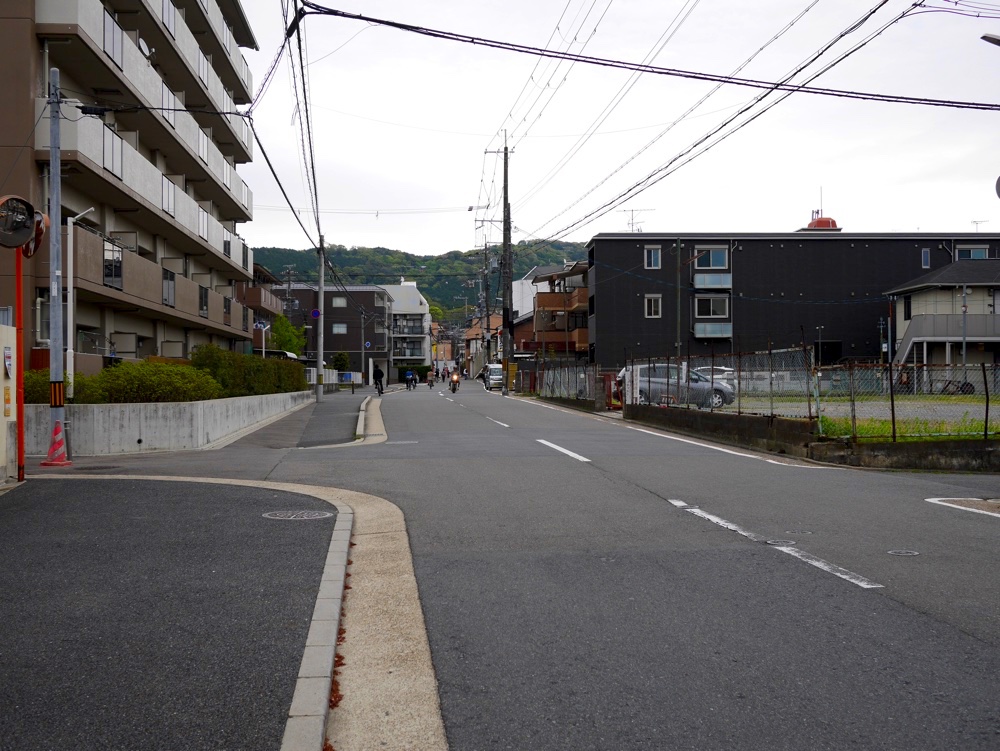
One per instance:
(745, 292)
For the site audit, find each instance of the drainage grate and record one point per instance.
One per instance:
(297, 515)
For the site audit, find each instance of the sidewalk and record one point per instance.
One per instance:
(145, 613)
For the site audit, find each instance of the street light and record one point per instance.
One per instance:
(71, 302)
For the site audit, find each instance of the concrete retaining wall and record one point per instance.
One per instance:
(796, 437)
(781, 435)
(103, 429)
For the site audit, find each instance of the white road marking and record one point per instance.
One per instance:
(501, 424)
(725, 451)
(565, 451)
(809, 558)
(843, 573)
(944, 502)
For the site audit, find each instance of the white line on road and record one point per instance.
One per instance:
(501, 424)
(809, 558)
(944, 502)
(843, 573)
(565, 451)
(725, 451)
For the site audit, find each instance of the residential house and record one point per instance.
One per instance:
(949, 316)
(560, 311)
(265, 306)
(150, 146)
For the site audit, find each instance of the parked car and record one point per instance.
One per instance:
(718, 373)
(662, 384)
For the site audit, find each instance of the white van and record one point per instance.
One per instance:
(493, 377)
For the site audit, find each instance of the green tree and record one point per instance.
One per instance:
(437, 314)
(341, 362)
(284, 335)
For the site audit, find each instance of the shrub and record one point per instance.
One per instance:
(249, 375)
(131, 382)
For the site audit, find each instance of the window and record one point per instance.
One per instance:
(202, 223)
(202, 67)
(711, 307)
(167, 200)
(112, 152)
(202, 145)
(113, 39)
(169, 287)
(338, 301)
(339, 328)
(907, 308)
(653, 306)
(168, 104)
(169, 15)
(652, 257)
(203, 301)
(925, 258)
(227, 243)
(112, 265)
(970, 253)
(711, 257)
(246, 255)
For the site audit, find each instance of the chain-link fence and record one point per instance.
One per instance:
(778, 382)
(898, 401)
(856, 401)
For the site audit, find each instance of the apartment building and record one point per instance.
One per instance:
(745, 292)
(150, 147)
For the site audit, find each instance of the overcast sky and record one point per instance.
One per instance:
(402, 122)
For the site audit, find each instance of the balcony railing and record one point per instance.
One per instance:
(713, 330)
(570, 301)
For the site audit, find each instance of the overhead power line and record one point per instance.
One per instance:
(311, 8)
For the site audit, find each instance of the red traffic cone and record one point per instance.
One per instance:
(57, 451)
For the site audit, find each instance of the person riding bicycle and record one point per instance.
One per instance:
(409, 380)
(377, 376)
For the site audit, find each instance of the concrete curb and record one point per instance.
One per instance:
(359, 431)
(385, 593)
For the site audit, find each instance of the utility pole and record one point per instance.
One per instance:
(57, 388)
(319, 334)
(506, 272)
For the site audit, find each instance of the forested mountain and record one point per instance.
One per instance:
(446, 280)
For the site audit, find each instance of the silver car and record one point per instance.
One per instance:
(659, 384)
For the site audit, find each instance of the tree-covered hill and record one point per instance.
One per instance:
(445, 280)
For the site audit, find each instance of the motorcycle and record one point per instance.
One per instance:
(454, 382)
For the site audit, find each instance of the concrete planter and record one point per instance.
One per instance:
(107, 429)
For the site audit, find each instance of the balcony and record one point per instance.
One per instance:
(572, 301)
(122, 73)
(261, 300)
(722, 330)
(577, 339)
(138, 285)
(129, 182)
(713, 281)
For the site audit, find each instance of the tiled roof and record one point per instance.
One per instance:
(977, 273)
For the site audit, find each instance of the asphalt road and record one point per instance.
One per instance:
(574, 599)
(571, 605)
(152, 615)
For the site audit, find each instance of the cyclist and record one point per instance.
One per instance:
(377, 376)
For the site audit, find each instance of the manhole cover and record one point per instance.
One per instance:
(903, 552)
(781, 542)
(297, 515)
